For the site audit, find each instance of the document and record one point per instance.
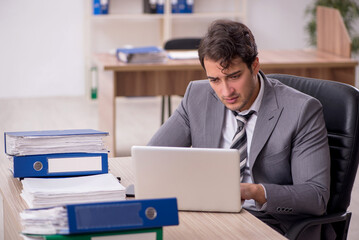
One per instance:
(48, 192)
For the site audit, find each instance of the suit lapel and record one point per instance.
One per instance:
(268, 115)
(215, 110)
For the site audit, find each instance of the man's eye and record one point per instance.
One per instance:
(235, 76)
(214, 80)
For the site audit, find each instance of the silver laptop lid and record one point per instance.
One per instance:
(202, 179)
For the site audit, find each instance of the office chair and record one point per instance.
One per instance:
(182, 44)
(177, 44)
(341, 113)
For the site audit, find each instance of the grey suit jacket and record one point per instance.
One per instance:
(289, 154)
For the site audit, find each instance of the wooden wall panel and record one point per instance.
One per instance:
(332, 35)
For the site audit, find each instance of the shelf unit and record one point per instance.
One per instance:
(126, 24)
(204, 11)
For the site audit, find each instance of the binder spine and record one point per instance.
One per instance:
(59, 165)
(160, 7)
(100, 7)
(123, 215)
(5, 143)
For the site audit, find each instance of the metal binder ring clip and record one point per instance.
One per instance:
(151, 213)
(37, 166)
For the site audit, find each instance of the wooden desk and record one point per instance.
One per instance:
(193, 225)
(171, 78)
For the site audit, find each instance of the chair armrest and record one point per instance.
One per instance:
(299, 227)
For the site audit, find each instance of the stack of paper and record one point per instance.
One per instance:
(45, 221)
(149, 54)
(47, 192)
(54, 141)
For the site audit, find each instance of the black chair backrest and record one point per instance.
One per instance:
(341, 113)
(182, 44)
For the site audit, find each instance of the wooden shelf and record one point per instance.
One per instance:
(139, 16)
(206, 15)
(135, 16)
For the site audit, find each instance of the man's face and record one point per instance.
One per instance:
(237, 86)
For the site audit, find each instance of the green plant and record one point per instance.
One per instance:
(349, 9)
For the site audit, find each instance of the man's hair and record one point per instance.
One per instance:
(226, 40)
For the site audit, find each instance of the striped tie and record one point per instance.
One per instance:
(240, 139)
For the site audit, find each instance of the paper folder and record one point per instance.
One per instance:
(125, 215)
(148, 54)
(101, 217)
(57, 165)
(54, 141)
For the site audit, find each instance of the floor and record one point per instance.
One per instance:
(137, 120)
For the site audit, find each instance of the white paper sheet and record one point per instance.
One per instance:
(47, 192)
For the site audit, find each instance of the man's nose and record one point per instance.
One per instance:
(227, 89)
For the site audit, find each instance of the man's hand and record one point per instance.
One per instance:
(253, 191)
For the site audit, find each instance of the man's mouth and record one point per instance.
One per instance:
(230, 100)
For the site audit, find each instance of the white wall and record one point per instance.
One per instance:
(278, 24)
(41, 48)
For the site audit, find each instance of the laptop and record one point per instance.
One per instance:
(202, 179)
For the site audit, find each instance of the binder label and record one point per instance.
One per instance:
(97, 217)
(75, 164)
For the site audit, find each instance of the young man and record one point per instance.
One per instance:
(286, 173)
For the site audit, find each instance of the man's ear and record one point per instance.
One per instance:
(255, 66)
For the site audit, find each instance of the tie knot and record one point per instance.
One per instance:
(244, 118)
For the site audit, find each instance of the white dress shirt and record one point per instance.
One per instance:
(230, 128)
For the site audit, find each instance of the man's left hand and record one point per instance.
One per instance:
(253, 191)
